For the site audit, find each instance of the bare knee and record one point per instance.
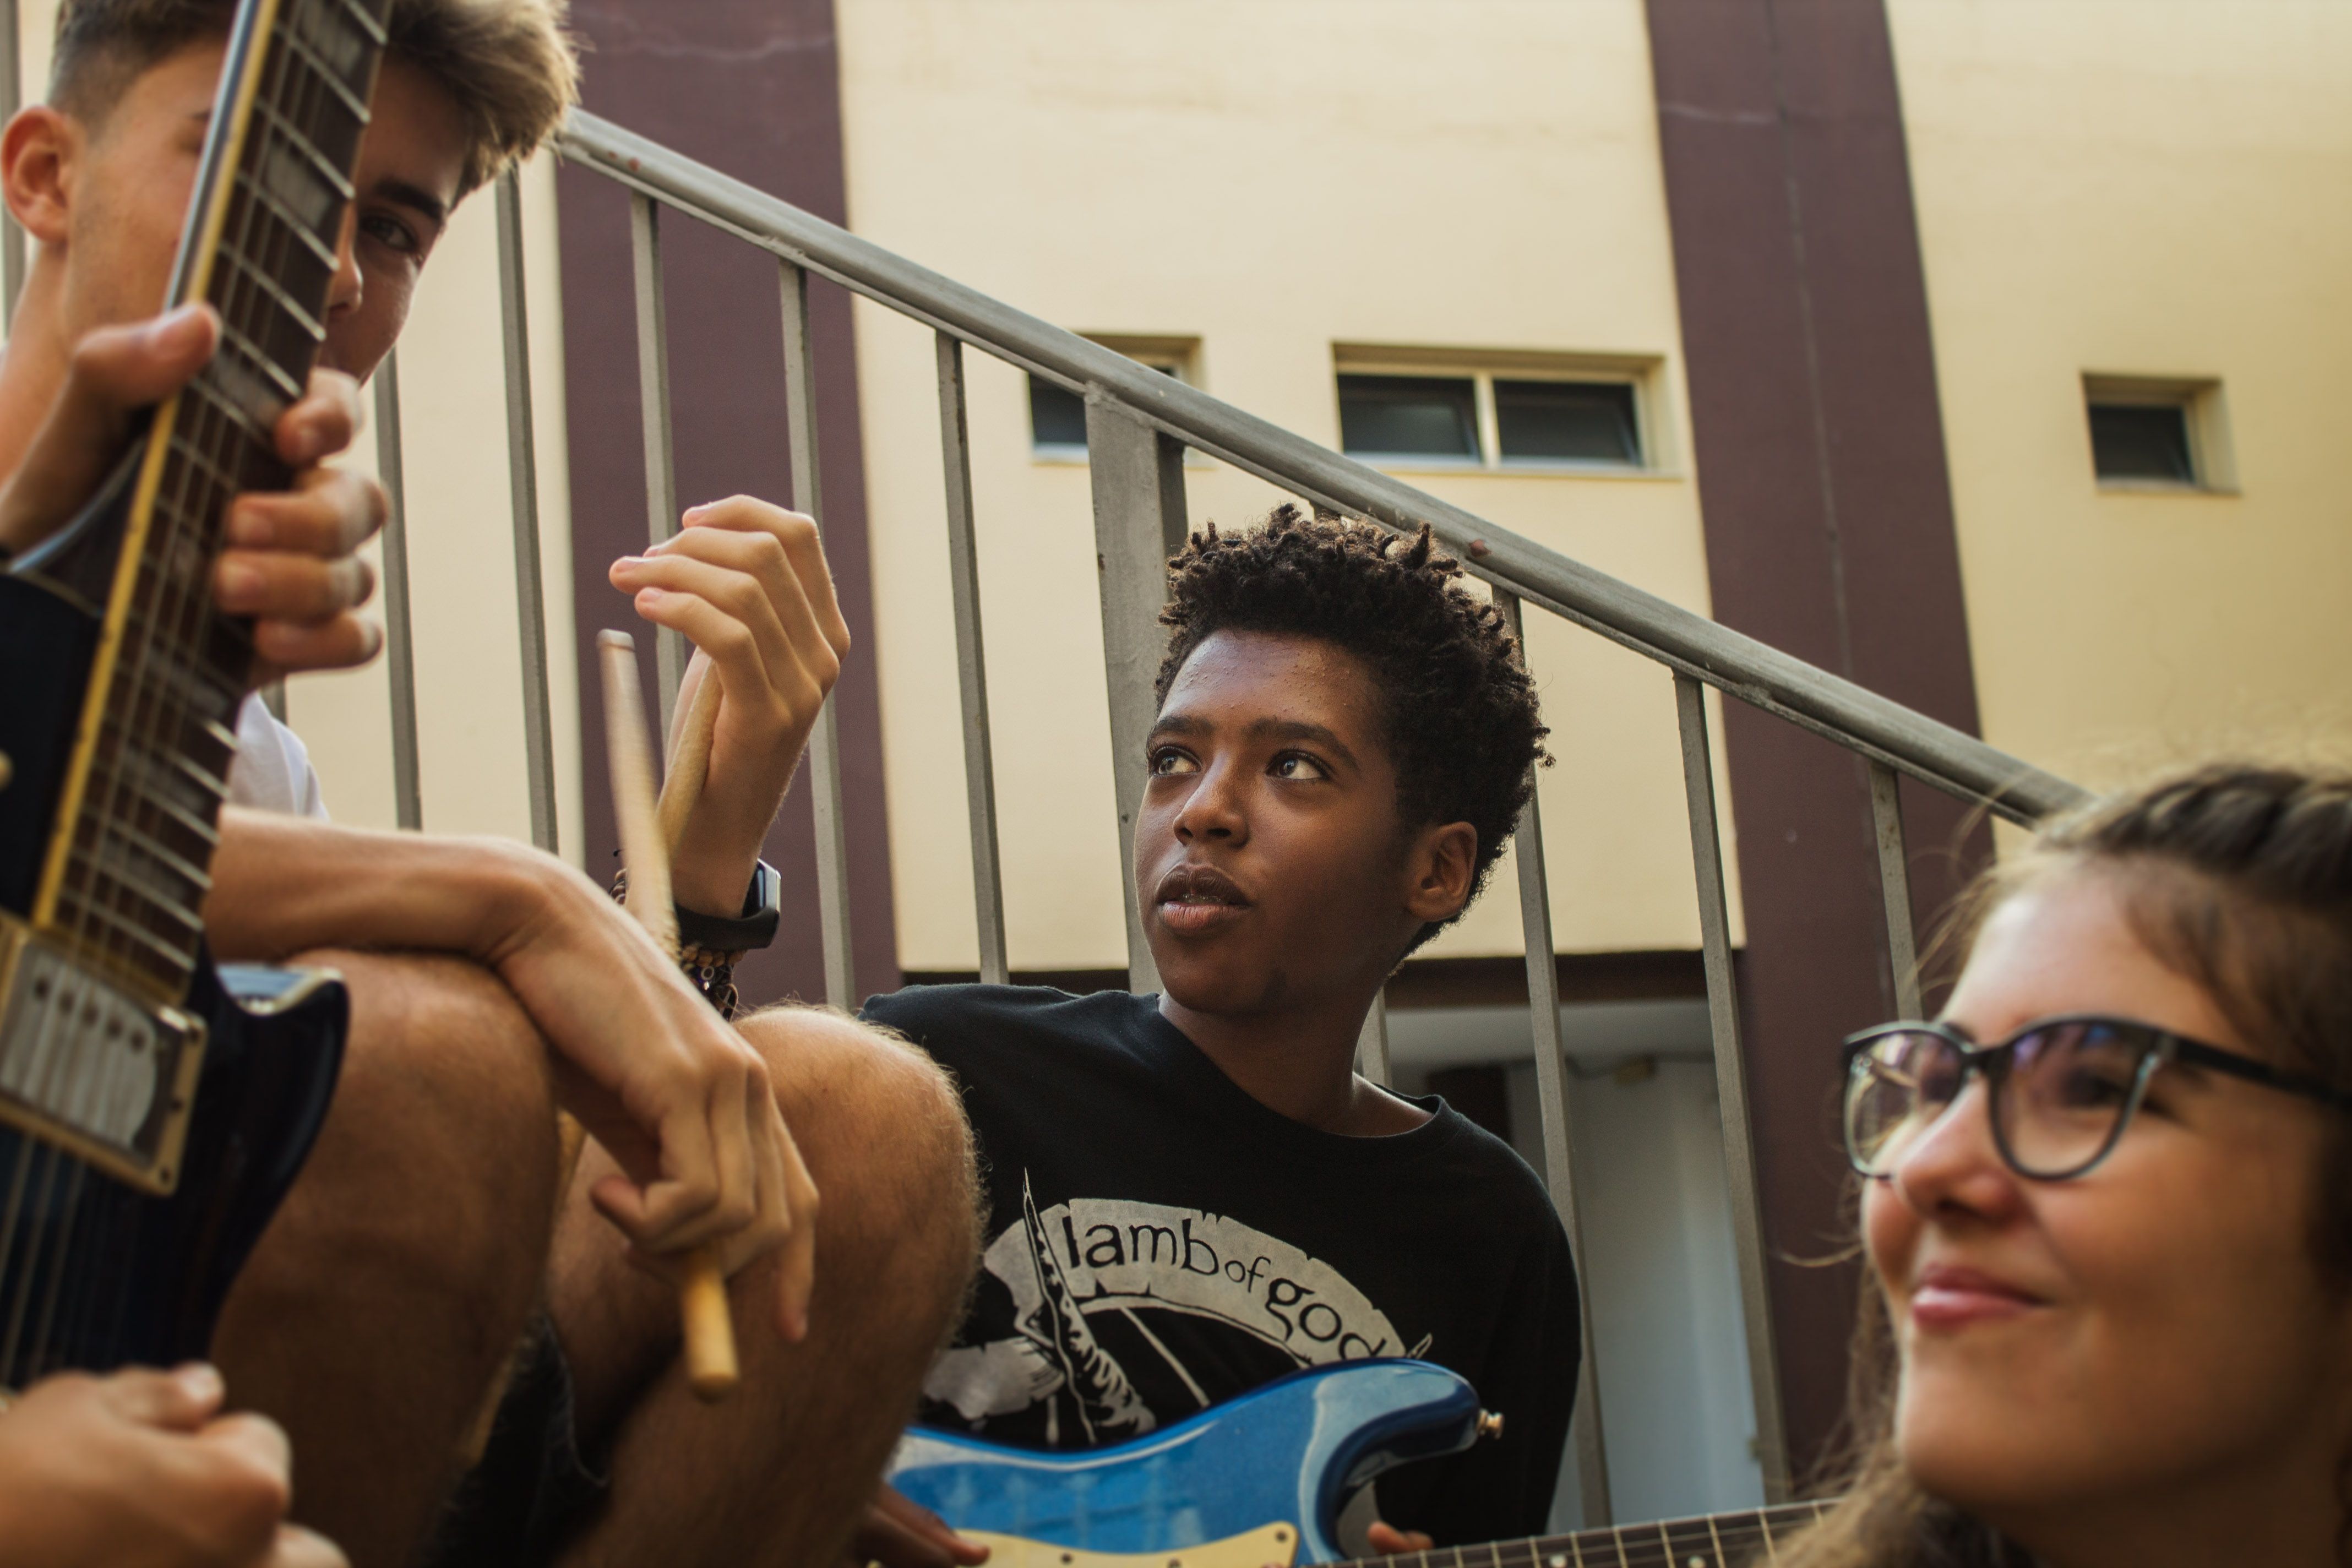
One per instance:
(436, 1164)
(884, 1133)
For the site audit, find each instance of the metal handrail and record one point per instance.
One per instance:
(1936, 753)
(1139, 425)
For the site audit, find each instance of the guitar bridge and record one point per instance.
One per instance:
(88, 1067)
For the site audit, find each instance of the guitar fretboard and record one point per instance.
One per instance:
(1713, 1541)
(135, 872)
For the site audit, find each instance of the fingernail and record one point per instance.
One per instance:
(201, 1381)
(648, 597)
(250, 525)
(238, 581)
(629, 562)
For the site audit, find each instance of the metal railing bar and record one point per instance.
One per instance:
(654, 416)
(1939, 754)
(1731, 1088)
(971, 668)
(1372, 1044)
(399, 629)
(1136, 476)
(824, 739)
(522, 471)
(1552, 1104)
(12, 98)
(1894, 886)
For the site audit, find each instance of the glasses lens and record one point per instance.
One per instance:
(2065, 1095)
(1899, 1086)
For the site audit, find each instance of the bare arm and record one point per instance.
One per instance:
(680, 1100)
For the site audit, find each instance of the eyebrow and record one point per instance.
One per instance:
(413, 196)
(1263, 730)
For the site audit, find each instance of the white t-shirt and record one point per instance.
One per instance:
(272, 770)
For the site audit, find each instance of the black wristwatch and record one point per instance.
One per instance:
(754, 928)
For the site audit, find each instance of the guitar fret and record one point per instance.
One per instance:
(291, 221)
(302, 143)
(301, 49)
(177, 966)
(260, 279)
(106, 862)
(367, 22)
(246, 349)
(204, 387)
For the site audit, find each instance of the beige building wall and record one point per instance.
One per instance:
(461, 558)
(2142, 187)
(1272, 179)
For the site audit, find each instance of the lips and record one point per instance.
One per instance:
(1194, 901)
(1945, 1297)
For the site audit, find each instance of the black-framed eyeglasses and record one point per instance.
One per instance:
(2062, 1090)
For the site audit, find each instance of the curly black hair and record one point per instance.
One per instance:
(1457, 703)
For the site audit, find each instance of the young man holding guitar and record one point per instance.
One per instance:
(1194, 1193)
(489, 983)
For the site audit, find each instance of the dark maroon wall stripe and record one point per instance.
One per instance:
(1829, 533)
(752, 88)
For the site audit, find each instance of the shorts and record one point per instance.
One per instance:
(533, 1489)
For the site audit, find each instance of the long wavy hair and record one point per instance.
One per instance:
(2238, 877)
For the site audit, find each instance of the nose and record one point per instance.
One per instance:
(1955, 1167)
(343, 290)
(1214, 810)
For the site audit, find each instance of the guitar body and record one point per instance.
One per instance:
(1256, 1481)
(96, 1272)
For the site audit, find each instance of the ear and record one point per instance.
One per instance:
(1442, 861)
(38, 153)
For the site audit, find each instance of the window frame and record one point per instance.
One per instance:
(2212, 461)
(1177, 356)
(1482, 369)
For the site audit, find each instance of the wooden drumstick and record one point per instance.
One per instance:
(709, 1327)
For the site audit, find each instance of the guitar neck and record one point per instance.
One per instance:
(126, 872)
(1710, 1541)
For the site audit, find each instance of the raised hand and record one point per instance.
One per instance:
(142, 1470)
(292, 562)
(747, 584)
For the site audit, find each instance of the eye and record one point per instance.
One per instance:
(1169, 760)
(391, 233)
(1298, 766)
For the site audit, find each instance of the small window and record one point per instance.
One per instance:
(1409, 417)
(2158, 433)
(1573, 421)
(1058, 416)
(2142, 441)
(1503, 410)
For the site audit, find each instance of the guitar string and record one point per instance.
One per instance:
(31, 1267)
(26, 1147)
(152, 705)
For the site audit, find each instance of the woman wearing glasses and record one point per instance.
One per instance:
(2109, 1205)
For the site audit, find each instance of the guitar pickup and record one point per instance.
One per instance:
(88, 1067)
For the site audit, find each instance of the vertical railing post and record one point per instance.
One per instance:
(1137, 480)
(522, 483)
(971, 668)
(399, 624)
(824, 739)
(1731, 1088)
(1372, 1044)
(1552, 1101)
(1894, 886)
(653, 399)
(12, 98)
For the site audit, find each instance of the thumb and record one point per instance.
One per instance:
(179, 1401)
(115, 371)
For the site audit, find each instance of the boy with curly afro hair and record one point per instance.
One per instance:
(1194, 1193)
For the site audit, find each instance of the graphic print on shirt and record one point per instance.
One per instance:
(1110, 1296)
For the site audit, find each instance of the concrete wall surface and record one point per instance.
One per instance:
(1272, 181)
(2154, 188)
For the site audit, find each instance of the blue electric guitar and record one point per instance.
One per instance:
(1261, 1480)
(153, 1107)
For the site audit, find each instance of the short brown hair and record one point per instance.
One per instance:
(507, 65)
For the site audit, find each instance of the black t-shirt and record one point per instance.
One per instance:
(1158, 1241)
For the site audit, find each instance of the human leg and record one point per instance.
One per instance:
(406, 1262)
(780, 1472)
